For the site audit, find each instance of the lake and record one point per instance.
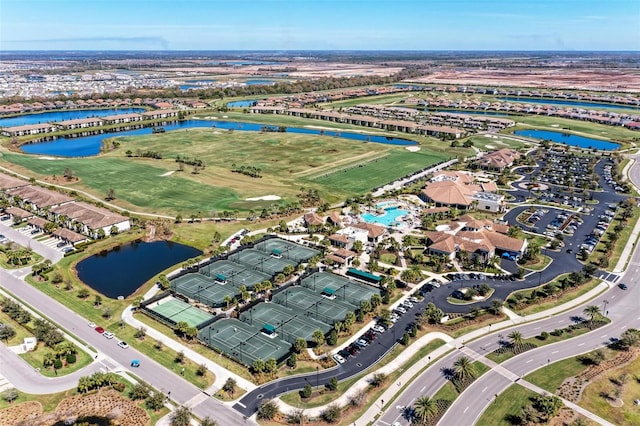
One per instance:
(47, 117)
(562, 102)
(87, 146)
(120, 272)
(258, 82)
(568, 139)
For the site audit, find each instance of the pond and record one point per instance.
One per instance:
(569, 139)
(90, 145)
(241, 104)
(47, 117)
(121, 271)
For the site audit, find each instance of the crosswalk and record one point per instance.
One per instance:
(607, 276)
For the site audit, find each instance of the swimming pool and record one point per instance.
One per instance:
(389, 218)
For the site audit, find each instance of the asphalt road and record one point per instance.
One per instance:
(622, 308)
(182, 392)
(363, 360)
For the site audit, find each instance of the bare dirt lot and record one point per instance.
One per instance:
(560, 78)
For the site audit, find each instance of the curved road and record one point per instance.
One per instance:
(622, 308)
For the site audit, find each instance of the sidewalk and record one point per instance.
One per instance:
(221, 373)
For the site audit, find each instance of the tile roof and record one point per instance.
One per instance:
(92, 216)
(38, 196)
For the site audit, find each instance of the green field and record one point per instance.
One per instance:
(376, 173)
(509, 403)
(337, 168)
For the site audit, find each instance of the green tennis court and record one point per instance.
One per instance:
(260, 261)
(177, 310)
(286, 249)
(288, 323)
(343, 288)
(203, 289)
(313, 305)
(243, 342)
(234, 273)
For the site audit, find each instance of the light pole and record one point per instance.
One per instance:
(605, 302)
(317, 378)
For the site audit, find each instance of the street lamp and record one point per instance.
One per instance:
(317, 378)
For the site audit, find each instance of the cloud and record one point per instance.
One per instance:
(125, 41)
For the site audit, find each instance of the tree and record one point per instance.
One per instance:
(515, 338)
(425, 408)
(299, 345)
(593, 311)
(271, 366)
(208, 421)
(139, 391)
(318, 337)
(97, 301)
(377, 380)
(292, 361)
(202, 370)
(155, 401)
(230, 386)
(181, 417)
(306, 391)
(6, 332)
(463, 369)
(268, 410)
(83, 293)
(332, 384)
(258, 366)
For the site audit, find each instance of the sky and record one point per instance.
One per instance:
(320, 25)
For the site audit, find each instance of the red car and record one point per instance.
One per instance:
(99, 329)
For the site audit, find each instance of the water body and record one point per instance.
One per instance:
(241, 104)
(389, 218)
(120, 272)
(562, 102)
(259, 82)
(568, 139)
(87, 146)
(47, 117)
(242, 63)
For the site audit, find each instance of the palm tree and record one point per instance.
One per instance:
(425, 408)
(463, 368)
(516, 338)
(593, 311)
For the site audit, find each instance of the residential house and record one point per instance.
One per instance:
(89, 220)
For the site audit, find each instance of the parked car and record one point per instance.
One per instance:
(339, 359)
(99, 329)
(362, 343)
(123, 345)
(108, 334)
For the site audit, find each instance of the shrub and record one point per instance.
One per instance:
(120, 387)
(544, 335)
(292, 361)
(139, 391)
(331, 414)
(202, 370)
(140, 333)
(268, 410)
(306, 391)
(332, 384)
(71, 358)
(179, 357)
(57, 364)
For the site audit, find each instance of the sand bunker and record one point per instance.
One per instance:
(47, 158)
(264, 198)
(168, 173)
(412, 148)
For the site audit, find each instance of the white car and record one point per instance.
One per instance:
(407, 304)
(414, 299)
(339, 359)
(401, 310)
(378, 329)
(92, 325)
(123, 345)
(108, 334)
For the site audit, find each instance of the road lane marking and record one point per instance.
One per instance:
(241, 404)
(422, 390)
(603, 336)
(529, 361)
(581, 344)
(465, 410)
(537, 328)
(485, 388)
(555, 352)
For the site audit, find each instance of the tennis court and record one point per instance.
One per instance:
(177, 310)
(203, 289)
(260, 261)
(243, 342)
(288, 323)
(234, 273)
(343, 288)
(286, 249)
(313, 305)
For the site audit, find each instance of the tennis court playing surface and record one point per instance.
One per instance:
(203, 289)
(287, 249)
(344, 289)
(234, 273)
(290, 324)
(177, 310)
(243, 342)
(311, 304)
(261, 261)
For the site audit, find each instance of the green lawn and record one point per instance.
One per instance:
(364, 177)
(487, 144)
(564, 298)
(551, 377)
(36, 357)
(510, 402)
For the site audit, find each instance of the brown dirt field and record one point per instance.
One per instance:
(615, 80)
(107, 403)
(18, 413)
